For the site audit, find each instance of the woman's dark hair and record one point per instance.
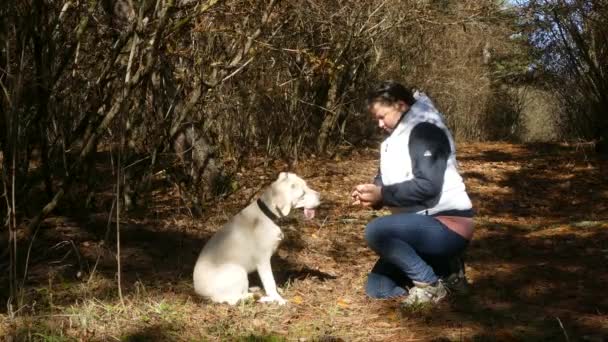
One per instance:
(390, 92)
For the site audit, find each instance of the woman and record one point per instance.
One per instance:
(432, 218)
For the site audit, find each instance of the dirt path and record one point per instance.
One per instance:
(537, 263)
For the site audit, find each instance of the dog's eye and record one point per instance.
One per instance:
(293, 186)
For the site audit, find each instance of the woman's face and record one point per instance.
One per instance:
(388, 115)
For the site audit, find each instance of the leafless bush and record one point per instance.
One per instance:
(570, 40)
(184, 86)
(229, 78)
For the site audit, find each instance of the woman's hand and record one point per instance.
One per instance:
(367, 195)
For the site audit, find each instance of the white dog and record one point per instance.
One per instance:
(246, 243)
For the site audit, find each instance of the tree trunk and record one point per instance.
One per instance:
(330, 117)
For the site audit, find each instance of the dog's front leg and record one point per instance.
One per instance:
(265, 272)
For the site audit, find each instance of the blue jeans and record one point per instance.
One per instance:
(412, 247)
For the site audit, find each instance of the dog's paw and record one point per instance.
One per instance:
(255, 289)
(273, 299)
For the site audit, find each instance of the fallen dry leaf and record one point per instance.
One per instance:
(297, 299)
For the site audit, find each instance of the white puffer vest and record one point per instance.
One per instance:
(396, 164)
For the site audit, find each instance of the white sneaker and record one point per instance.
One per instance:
(422, 293)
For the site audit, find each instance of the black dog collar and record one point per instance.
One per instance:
(264, 208)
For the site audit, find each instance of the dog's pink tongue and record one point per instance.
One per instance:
(309, 213)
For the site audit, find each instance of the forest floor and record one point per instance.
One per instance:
(538, 264)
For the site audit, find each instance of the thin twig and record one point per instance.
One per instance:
(237, 70)
(79, 273)
(317, 106)
(322, 224)
(369, 17)
(137, 162)
(118, 270)
(27, 261)
(563, 329)
(134, 46)
(131, 56)
(13, 228)
(106, 236)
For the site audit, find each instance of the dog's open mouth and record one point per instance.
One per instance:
(309, 213)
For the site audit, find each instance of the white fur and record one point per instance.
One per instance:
(246, 243)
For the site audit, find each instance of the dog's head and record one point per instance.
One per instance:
(290, 191)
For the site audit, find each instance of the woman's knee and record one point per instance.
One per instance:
(384, 228)
(377, 286)
(374, 233)
(372, 287)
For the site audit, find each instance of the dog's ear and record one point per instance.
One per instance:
(283, 209)
(281, 196)
(282, 203)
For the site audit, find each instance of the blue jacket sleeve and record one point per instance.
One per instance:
(429, 149)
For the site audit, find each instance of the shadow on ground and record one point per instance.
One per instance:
(538, 261)
(525, 290)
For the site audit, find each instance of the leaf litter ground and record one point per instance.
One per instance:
(537, 264)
